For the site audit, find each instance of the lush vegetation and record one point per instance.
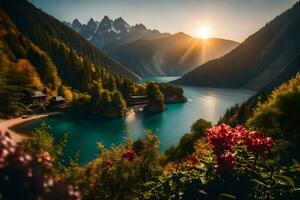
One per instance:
(256, 161)
(18, 75)
(26, 176)
(186, 144)
(41, 28)
(26, 67)
(156, 98)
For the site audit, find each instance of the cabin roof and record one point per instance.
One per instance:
(138, 97)
(37, 94)
(58, 98)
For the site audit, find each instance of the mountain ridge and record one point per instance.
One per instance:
(174, 55)
(146, 52)
(257, 61)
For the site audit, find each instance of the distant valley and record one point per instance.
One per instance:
(150, 52)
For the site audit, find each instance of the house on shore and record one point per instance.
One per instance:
(38, 99)
(58, 102)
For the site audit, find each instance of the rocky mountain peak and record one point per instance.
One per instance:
(76, 25)
(92, 24)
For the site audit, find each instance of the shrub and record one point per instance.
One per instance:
(26, 176)
(121, 172)
(187, 142)
(231, 163)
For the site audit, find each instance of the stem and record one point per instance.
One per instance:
(255, 161)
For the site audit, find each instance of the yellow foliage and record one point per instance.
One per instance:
(25, 69)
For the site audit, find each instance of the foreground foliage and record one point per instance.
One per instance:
(118, 173)
(230, 163)
(26, 176)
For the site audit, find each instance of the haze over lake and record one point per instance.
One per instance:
(206, 103)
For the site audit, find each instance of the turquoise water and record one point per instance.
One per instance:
(207, 103)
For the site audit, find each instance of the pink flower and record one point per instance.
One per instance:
(129, 154)
(45, 158)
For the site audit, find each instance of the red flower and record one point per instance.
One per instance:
(256, 142)
(193, 160)
(221, 138)
(129, 154)
(225, 162)
(108, 163)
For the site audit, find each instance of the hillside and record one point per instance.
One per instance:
(258, 61)
(42, 28)
(174, 55)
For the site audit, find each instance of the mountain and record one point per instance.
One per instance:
(110, 32)
(46, 31)
(263, 58)
(174, 55)
(149, 52)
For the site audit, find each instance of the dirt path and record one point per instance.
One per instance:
(6, 125)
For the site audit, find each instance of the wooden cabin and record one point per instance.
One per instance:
(38, 99)
(58, 102)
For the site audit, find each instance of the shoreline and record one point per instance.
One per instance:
(6, 125)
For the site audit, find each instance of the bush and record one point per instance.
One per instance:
(232, 163)
(279, 116)
(41, 140)
(187, 142)
(26, 176)
(120, 173)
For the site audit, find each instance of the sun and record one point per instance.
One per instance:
(204, 32)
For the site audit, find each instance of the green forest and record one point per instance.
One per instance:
(62, 71)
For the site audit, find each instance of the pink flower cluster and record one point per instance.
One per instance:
(223, 138)
(7, 147)
(29, 173)
(44, 158)
(129, 154)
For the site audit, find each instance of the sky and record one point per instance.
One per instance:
(228, 19)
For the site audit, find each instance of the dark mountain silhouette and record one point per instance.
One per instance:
(260, 60)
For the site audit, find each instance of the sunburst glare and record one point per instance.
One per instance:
(204, 32)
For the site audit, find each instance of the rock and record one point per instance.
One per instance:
(175, 99)
(152, 108)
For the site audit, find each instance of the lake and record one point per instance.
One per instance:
(206, 103)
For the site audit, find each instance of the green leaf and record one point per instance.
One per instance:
(198, 166)
(259, 183)
(183, 179)
(225, 196)
(285, 180)
(202, 192)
